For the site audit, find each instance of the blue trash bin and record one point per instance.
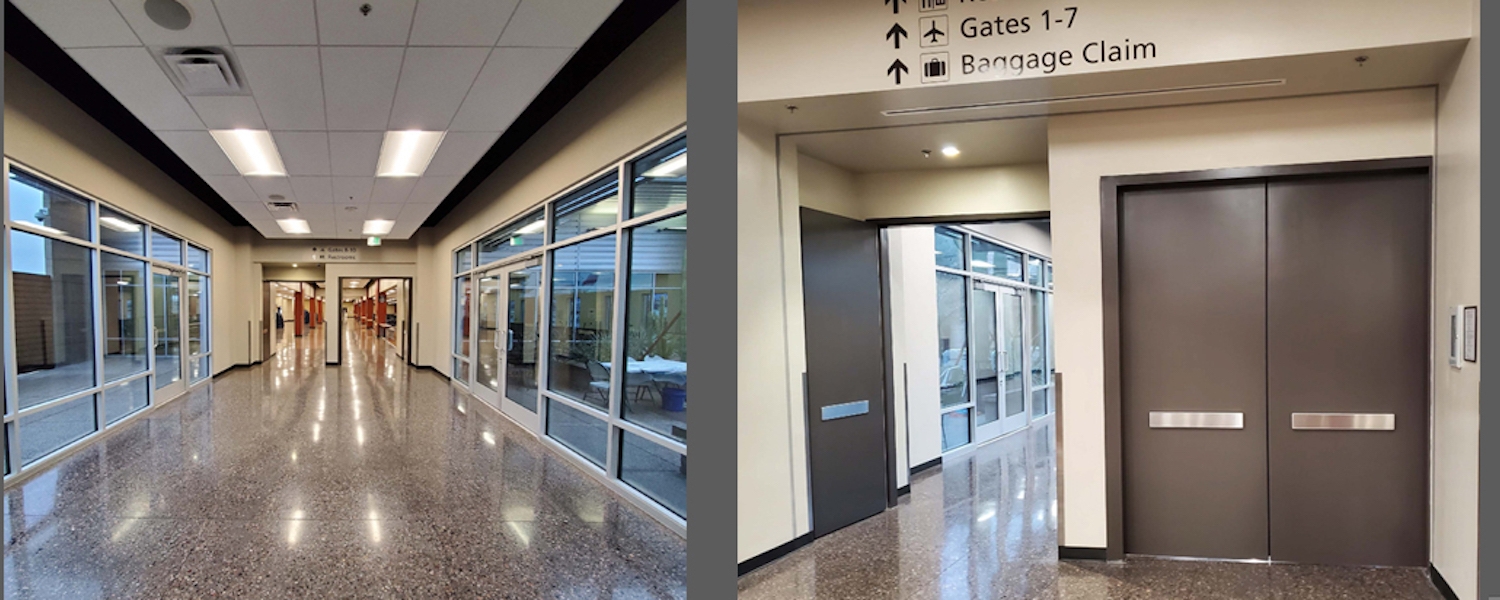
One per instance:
(674, 399)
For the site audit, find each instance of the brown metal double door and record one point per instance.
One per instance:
(1274, 369)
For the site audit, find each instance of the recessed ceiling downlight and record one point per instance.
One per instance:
(170, 14)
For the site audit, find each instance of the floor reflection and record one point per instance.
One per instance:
(296, 479)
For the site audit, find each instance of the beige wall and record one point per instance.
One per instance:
(954, 192)
(1455, 468)
(46, 132)
(286, 273)
(1085, 147)
(639, 98)
(827, 188)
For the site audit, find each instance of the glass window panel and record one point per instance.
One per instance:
(656, 328)
(994, 259)
(1041, 402)
(955, 429)
(520, 237)
(121, 232)
(660, 179)
(461, 316)
(582, 320)
(1037, 336)
(953, 339)
(198, 369)
(487, 319)
(48, 206)
(166, 300)
(656, 471)
(197, 308)
(461, 371)
(584, 433)
(46, 431)
(122, 400)
(1034, 270)
(125, 283)
(595, 206)
(166, 248)
(463, 260)
(524, 323)
(1049, 275)
(197, 258)
(53, 287)
(950, 248)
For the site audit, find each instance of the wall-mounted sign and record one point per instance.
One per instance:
(1471, 334)
(334, 254)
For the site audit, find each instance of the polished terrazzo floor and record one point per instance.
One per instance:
(296, 480)
(986, 527)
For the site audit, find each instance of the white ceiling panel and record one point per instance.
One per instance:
(266, 187)
(303, 152)
(233, 188)
(134, 78)
(203, 30)
(459, 151)
(356, 190)
(228, 112)
(313, 190)
(359, 84)
(392, 189)
(556, 23)
(199, 150)
(383, 211)
(461, 22)
(340, 22)
(288, 84)
(84, 23)
(269, 22)
(350, 220)
(355, 152)
(434, 82)
(319, 218)
(415, 212)
(431, 189)
(254, 211)
(505, 86)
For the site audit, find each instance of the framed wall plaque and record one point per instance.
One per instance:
(1471, 334)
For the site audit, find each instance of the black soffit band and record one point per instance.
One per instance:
(27, 43)
(629, 20)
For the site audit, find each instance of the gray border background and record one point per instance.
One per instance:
(1489, 404)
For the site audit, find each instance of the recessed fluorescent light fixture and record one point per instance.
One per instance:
(293, 225)
(406, 153)
(673, 167)
(950, 151)
(119, 224)
(252, 151)
(378, 226)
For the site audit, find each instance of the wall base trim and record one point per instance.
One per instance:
(764, 558)
(1081, 553)
(927, 465)
(1440, 583)
(903, 490)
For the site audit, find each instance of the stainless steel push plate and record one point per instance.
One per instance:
(1344, 421)
(847, 409)
(1161, 419)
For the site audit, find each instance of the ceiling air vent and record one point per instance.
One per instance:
(282, 208)
(202, 72)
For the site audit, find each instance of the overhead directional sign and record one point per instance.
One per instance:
(897, 68)
(895, 5)
(895, 34)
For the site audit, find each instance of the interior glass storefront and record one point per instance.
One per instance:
(546, 307)
(994, 311)
(84, 349)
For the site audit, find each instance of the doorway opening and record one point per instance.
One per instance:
(293, 309)
(380, 307)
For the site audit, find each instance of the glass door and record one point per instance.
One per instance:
(999, 383)
(1013, 410)
(521, 312)
(166, 318)
(489, 337)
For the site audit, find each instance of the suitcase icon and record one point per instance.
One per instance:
(934, 68)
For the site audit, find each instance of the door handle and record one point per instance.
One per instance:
(1344, 421)
(1160, 419)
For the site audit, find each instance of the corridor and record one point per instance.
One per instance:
(985, 526)
(369, 479)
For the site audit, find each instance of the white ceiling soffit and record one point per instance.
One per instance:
(328, 80)
(981, 144)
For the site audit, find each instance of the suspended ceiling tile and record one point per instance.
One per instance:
(350, 220)
(288, 85)
(389, 212)
(461, 22)
(459, 151)
(416, 212)
(313, 190)
(319, 218)
(556, 23)
(233, 188)
(431, 189)
(199, 150)
(506, 85)
(202, 30)
(355, 152)
(82, 23)
(340, 22)
(303, 152)
(359, 84)
(269, 22)
(134, 78)
(228, 112)
(355, 190)
(255, 212)
(273, 186)
(392, 189)
(433, 84)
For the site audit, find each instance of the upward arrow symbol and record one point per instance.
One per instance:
(898, 32)
(895, 5)
(897, 68)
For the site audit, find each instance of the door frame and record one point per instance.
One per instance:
(180, 386)
(405, 326)
(1110, 190)
(999, 428)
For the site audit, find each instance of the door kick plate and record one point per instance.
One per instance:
(1344, 421)
(1161, 419)
(847, 409)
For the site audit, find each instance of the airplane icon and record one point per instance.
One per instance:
(934, 31)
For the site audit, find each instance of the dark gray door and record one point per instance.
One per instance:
(1348, 334)
(1192, 341)
(845, 369)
